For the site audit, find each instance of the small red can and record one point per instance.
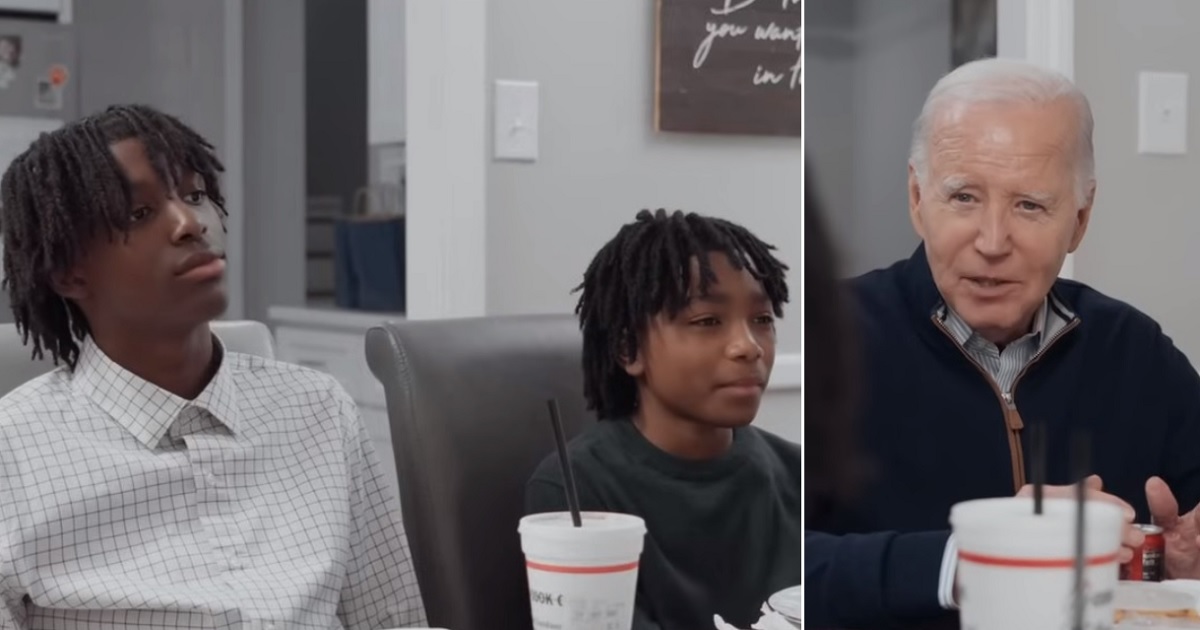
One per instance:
(1147, 563)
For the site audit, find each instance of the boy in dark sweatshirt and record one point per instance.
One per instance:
(678, 317)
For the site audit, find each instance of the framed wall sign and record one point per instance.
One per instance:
(729, 66)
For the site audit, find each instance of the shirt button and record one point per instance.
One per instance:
(210, 478)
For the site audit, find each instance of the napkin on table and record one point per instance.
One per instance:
(770, 620)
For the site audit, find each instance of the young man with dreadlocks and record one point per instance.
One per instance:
(678, 317)
(156, 479)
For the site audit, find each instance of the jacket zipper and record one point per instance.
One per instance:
(1012, 418)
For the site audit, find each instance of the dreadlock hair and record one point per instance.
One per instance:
(645, 270)
(66, 190)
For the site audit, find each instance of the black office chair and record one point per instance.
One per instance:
(466, 400)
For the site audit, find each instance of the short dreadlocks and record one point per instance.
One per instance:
(645, 270)
(68, 189)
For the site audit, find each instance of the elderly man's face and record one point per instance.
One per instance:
(999, 212)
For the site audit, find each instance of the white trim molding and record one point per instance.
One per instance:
(60, 9)
(788, 374)
(1043, 32)
(1050, 34)
(445, 108)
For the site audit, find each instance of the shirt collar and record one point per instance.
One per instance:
(144, 409)
(963, 333)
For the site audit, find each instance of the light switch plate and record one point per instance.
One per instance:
(516, 120)
(1162, 113)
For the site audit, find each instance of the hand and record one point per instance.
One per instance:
(1181, 532)
(1131, 537)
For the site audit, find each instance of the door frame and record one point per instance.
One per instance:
(446, 101)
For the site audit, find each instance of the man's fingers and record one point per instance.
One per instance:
(1093, 482)
(1163, 506)
(1094, 494)
(1132, 537)
(1126, 509)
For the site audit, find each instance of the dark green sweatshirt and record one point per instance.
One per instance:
(723, 534)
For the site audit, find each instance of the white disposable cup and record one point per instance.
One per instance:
(1016, 569)
(582, 578)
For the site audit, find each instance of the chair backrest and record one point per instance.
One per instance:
(17, 365)
(246, 336)
(466, 400)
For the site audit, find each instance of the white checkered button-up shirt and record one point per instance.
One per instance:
(260, 504)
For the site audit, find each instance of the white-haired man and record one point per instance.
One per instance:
(974, 340)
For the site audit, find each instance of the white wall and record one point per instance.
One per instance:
(1141, 244)
(780, 413)
(601, 161)
(385, 71)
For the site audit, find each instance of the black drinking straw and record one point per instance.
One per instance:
(1080, 458)
(564, 461)
(1039, 465)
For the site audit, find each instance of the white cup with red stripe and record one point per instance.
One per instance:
(582, 577)
(1016, 569)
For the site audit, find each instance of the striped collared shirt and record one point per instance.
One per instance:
(1004, 365)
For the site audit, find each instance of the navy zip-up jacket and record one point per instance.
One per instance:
(937, 432)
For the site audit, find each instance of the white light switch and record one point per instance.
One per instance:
(1162, 113)
(516, 123)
